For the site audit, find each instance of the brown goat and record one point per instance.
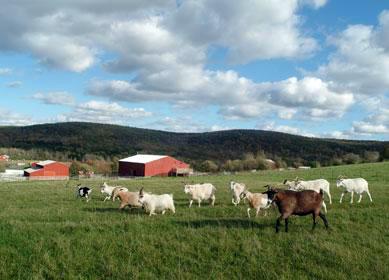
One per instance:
(297, 203)
(130, 199)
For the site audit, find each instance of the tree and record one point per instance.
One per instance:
(209, 166)
(351, 158)
(385, 154)
(371, 156)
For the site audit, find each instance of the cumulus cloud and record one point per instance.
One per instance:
(272, 126)
(249, 30)
(55, 98)
(103, 112)
(361, 61)
(5, 71)
(14, 84)
(313, 94)
(9, 118)
(71, 34)
(316, 4)
(376, 123)
(238, 97)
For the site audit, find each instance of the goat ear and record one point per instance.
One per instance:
(269, 187)
(297, 178)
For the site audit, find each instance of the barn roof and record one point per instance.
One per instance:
(142, 158)
(30, 170)
(45, 162)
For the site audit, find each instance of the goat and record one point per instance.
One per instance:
(315, 185)
(297, 203)
(83, 192)
(130, 199)
(357, 185)
(257, 201)
(159, 203)
(237, 189)
(201, 192)
(108, 190)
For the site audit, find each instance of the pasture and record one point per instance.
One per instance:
(46, 233)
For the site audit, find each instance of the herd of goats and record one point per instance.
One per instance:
(297, 197)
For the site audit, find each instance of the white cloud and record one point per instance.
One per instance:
(55, 98)
(376, 123)
(60, 51)
(249, 30)
(5, 71)
(368, 128)
(316, 4)
(9, 118)
(272, 126)
(142, 34)
(103, 112)
(310, 93)
(361, 61)
(14, 84)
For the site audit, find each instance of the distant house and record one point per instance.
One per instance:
(271, 163)
(152, 165)
(47, 170)
(304, 167)
(4, 158)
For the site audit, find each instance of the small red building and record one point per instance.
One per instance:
(4, 158)
(47, 170)
(152, 165)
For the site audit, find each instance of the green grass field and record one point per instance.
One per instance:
(46, 233)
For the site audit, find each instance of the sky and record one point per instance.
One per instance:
(318, 68)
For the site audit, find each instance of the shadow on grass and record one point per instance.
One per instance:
(227, 223)
(132, 211)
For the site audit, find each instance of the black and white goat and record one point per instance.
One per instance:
(83, 192)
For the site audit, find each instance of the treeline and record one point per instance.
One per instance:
(261, 162)
(108, 166)
(231, 150)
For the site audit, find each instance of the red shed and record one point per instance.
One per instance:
(152, 165)
(4, 158)
(47, 170)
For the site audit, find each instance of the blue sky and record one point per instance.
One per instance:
(310, 67)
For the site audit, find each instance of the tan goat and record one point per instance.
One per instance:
(130, 199)
(256, 201)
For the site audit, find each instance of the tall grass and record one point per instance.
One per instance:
(46, 233)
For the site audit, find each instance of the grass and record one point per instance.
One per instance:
(46, 233)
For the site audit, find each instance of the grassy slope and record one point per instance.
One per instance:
(46, 233)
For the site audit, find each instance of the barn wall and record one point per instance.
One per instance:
(56, 169)
(163, 167)
(51, 170)
(131, 169)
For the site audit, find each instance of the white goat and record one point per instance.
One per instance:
(201, 192)
(357, 185)
(237, 189)
(315, 185)
(108, 190)
(257, 201)
(156, 203)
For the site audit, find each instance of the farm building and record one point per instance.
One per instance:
(4, 158)
(47, 170)
(152, 165)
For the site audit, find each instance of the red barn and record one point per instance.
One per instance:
(4, 158)
(47, 170)
(152, 165)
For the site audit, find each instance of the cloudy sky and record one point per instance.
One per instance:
(310, 67)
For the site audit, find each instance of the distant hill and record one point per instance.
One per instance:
(78, 139)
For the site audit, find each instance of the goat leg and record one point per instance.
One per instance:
(323, 217)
